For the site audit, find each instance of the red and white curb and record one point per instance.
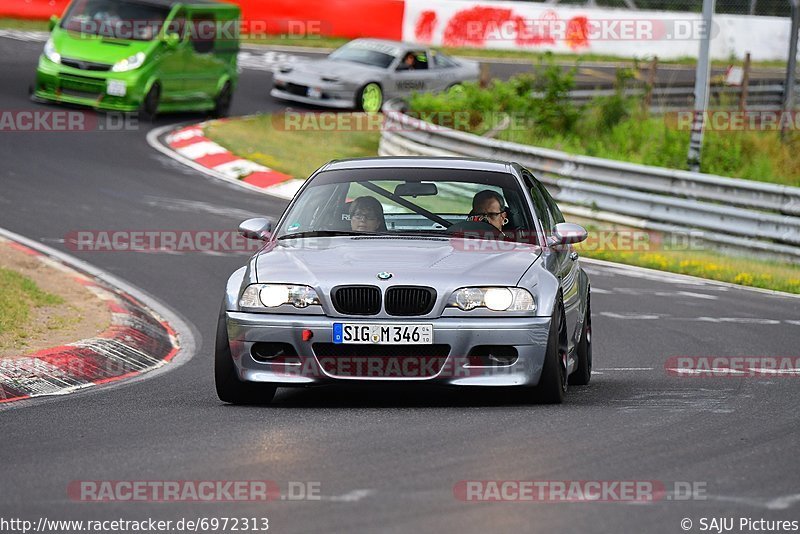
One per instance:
(137, 341)
(190, 144)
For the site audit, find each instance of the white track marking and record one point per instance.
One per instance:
(631, 316)
(351, 496)
(617, 268)
(625, 369)
(737, 320)
(697, 295)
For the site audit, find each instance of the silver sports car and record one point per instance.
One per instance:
(450, 271)
(364, 73)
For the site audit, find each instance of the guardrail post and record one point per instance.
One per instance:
(745, 83)
(484, 78)
(651, 83)
(701, 88)
(788, 86)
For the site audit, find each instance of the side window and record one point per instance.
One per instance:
(441, 61)
(554, 209)
(203, 33)
(540, 204)
(420, 60)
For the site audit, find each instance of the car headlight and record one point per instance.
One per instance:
(330, 79)
(274, 295)
(493, 298)
(129, 63)
(50, 51)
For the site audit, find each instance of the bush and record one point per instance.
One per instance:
(613, 127)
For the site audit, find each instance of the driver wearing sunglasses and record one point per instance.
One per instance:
(488, 206)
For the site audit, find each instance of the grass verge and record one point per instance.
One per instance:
(299, 153)
(19, 295)
(651, 249)
(267, 140)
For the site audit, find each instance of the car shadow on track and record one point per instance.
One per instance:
(419, 396)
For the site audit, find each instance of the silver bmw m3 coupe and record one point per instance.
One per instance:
(450, 271)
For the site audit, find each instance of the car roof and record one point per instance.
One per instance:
(411, 162)
(399, 44)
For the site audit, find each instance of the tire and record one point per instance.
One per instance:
(149, 108)
(553, 383)
(455, 89)
(229, 388)
(370, 98)
(583, 373)
(222, 104)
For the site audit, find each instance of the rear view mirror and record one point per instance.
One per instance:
(258, 228)
(416, 189)
(172, 40)
(568, 233)
(53, 22)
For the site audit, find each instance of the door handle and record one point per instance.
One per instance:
(573, 256)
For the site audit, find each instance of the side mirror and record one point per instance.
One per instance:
(53, 22)
(568, 233)
(172, 40)
(258, 228)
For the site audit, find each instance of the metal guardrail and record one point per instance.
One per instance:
(760, 97)
(753, 216)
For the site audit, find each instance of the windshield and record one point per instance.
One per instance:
(422, 202)
(373, 54)
(118, 19)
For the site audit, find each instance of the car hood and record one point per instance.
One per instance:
(96, 49)
(344, 70)
(441, 263)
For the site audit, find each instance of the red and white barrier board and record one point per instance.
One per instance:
(500, 25)
(616, 32)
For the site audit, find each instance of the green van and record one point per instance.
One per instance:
(142, 55)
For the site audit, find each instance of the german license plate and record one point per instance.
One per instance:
(389, 334)
(116, 88)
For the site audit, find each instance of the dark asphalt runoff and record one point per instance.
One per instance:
(385, 460)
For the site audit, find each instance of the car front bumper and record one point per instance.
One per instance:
(59, 83)
(528, 335)
(337, 102)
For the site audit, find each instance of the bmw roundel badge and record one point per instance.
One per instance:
(384, 275)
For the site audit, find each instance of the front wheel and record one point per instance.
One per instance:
(149, 108)
(583, 373)
(553, 383)
(229, 387)
(222, 104)
(370, 98)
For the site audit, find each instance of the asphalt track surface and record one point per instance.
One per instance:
(386, 460)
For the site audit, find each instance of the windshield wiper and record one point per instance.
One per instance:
(322, 233)
(437, 233)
